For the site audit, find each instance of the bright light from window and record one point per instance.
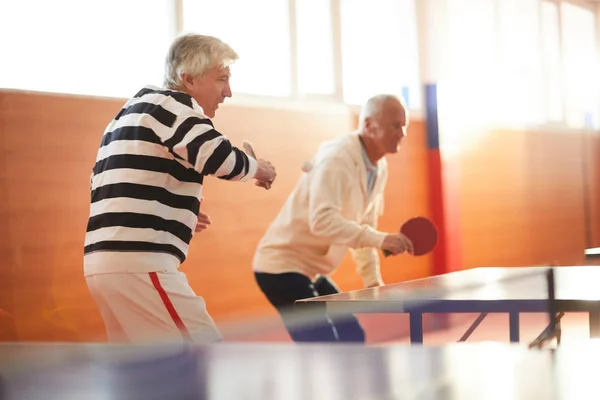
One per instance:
(109, 48)
(258, 30)
(471, 38)
(315, 47)
(581, 74)
(379, 49)
(552, 92)
(519, 68)
(470, 70)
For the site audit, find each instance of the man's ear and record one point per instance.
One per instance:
(188, 80)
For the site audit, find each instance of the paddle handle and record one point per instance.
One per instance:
(248, 148)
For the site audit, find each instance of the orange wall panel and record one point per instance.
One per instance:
(48, 145)
(592, 182)
(522, 199)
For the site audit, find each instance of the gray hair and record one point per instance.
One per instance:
(194, 54)
(374, 105)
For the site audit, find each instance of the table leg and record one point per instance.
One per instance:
(594, 319)
(513, 324)
(473, 326)
(416, 327)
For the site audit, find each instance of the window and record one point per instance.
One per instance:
(91, 49)
(379, 49)
(551, 74)
(471, 61)
(519, 75)
(314, 41)
(471, 38)
(581, 66)
(258, 30)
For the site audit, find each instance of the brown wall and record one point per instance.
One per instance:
(47, 149)
(592, 179)
(521, 198)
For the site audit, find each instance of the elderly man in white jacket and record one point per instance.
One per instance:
(334, 208)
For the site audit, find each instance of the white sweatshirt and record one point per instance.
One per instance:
(326, 214)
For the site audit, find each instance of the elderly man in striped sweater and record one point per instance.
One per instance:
(146, 188)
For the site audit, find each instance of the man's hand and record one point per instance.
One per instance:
(203, 222)
(397, 243)
(265, 174)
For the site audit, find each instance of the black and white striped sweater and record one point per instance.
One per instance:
(146, 184)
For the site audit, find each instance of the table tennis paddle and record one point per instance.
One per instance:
(248, 149)
(422, 233)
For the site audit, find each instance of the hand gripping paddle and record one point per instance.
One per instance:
(422, 233)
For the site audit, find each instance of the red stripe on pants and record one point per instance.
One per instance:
(170, 308)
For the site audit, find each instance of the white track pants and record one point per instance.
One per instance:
(155, 306)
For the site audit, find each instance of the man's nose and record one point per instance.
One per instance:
(227, 91)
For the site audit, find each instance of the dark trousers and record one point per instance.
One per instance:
(282, 290)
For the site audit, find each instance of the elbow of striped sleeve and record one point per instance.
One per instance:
(237, 167)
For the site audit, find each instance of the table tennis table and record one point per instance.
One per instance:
(511, 290)
(297, 371)
(593, 253)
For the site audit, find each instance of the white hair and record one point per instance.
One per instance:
(194, 54)
(374, 105)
